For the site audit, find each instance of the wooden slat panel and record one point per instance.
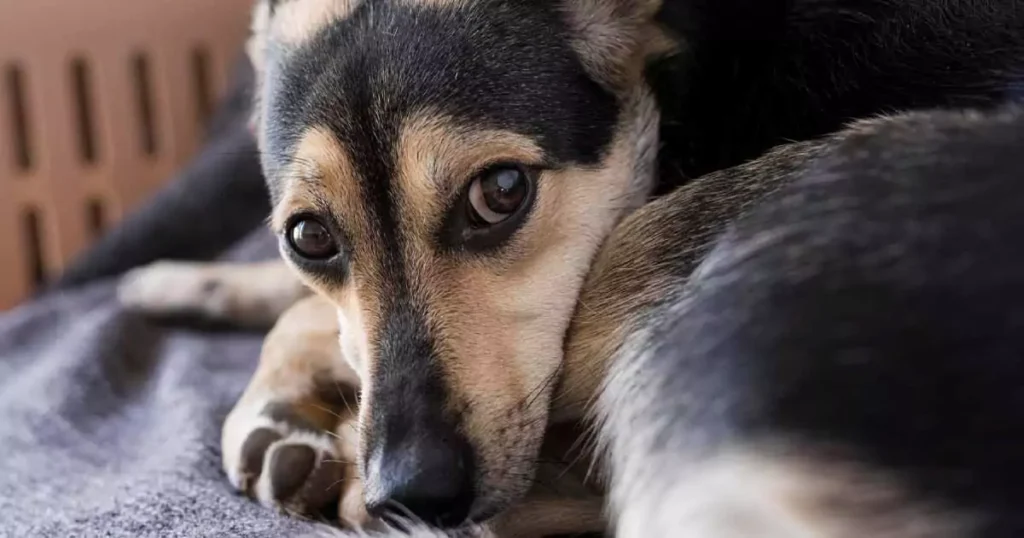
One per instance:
(7, 151)
(61, 163)
(14, 277)
(110, 105)
(176, 84)
(43, 36)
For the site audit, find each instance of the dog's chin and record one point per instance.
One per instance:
(495, 499)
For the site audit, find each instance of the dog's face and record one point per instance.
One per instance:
(444, 171)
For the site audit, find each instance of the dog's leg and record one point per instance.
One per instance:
(291, 440)
(252, 295)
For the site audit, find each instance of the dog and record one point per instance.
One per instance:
(445, 177)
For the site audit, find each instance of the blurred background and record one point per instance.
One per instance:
(101, 102)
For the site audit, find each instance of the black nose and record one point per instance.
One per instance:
(429, 475)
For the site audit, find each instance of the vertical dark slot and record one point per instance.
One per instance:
(144, 102)
(96, 218)
(201, 85)
(33, 237)
(81, 84)
(17, 105)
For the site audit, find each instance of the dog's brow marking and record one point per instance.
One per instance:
(437, 157)
(320, 169)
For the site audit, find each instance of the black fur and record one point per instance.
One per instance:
(506, 65)
(758, 73)
(753, 74)
(875, 305)
(884, 316)
(495, 64)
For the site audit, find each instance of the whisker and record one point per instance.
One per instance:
(339, 461)
(534, 394)
(340, 480)
(328, 411)
(334, 435)
(344, 400)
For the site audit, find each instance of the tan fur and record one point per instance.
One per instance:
(631, 272)
(781, 489)
(299, 359)
(323, 181)
(784, 490)
(299, 349)
(299, 392)
(513, 349)
(615, 38)
(320, 179)
(436, 157)
(500, 321)
(546, 516)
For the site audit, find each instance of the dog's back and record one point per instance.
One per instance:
(847, 359)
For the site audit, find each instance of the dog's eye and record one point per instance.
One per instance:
(497, 193)
(312, 240)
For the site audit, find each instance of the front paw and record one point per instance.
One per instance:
(173, 289)
(273, 454)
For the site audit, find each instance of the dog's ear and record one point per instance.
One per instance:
(255, 49)
(616, 38)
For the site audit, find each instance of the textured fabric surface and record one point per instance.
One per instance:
(110, 423)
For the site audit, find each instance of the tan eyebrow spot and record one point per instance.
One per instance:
(320, 171)
(437, 156)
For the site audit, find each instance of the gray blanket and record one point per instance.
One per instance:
(110, 423)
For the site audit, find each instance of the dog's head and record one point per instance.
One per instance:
(444, 171)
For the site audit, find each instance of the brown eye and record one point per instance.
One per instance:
(310, 239)
(497, 193)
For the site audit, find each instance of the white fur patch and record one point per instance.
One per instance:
(296, 21)
(753, 493)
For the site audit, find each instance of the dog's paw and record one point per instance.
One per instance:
(285, 462)
(173, 289)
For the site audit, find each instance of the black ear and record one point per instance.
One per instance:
(272, 4)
